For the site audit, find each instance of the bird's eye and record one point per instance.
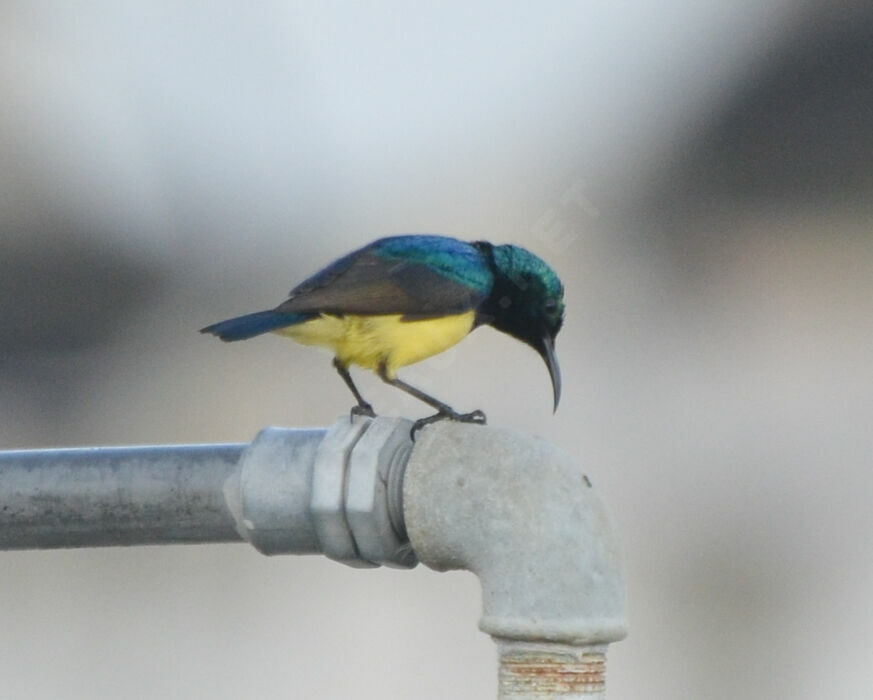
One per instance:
(550, 305)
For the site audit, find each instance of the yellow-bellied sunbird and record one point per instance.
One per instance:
(401, 299)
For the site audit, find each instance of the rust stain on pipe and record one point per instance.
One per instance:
(541, 674)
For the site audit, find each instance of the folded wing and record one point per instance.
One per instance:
(416, 276)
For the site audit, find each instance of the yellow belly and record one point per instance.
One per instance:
(369, 341)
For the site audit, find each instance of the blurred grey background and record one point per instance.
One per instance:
(700, 175)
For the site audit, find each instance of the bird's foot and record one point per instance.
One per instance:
(477, 417)
(362, 409)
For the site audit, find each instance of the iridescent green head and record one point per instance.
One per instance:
(527, 302)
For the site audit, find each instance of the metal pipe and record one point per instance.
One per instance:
(289, 491)
(522, 516)
(514, 510)
(532, 671)
(92, 497)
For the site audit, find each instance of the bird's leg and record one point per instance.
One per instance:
(363, 408)
(443, 410)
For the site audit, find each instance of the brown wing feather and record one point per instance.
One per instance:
(370, 284)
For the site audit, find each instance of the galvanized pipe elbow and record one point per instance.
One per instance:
(522, 516)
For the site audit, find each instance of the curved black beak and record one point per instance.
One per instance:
(546, 349)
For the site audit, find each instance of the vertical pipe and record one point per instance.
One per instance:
(531, 671)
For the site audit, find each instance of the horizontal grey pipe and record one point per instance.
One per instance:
(334, 491)
(90, 497)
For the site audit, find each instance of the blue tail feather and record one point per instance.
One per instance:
(250, 325)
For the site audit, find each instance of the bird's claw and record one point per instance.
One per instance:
(477, 417)
(362, 409)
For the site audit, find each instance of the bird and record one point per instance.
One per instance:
(403, 298)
